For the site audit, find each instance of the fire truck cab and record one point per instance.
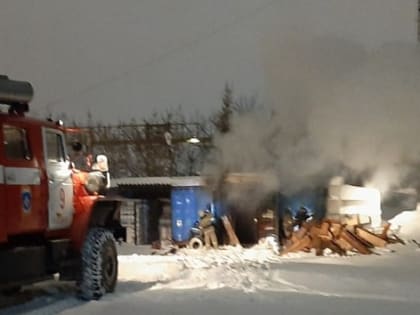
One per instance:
(51, 221)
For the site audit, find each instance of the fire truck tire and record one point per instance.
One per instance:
(99, 264)
(195, 243)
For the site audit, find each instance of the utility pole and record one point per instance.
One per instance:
(418, 21)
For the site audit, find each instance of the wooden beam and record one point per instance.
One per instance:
(301, 232)
(346, 246)
(384, 234)
(233, 239)
(370, 237)
(297, 246)
(335, 229)
(335, 247)
(354, 242)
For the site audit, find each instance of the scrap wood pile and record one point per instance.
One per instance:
(340, 238)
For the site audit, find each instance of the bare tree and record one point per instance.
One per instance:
(246, 104)
(222, 119)
(157, 146)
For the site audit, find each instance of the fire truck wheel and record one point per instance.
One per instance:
(195, 243)
(99, 264)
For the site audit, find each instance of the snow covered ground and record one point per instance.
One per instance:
(249, 281)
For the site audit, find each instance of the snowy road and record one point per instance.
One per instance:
(251, 281)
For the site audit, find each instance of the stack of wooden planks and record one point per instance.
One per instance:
(339, 237)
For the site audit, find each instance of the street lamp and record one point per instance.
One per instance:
(193, 140)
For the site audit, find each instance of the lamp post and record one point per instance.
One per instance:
(193, 140)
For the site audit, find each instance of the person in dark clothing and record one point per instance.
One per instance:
(302, 215)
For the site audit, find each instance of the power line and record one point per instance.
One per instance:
(159, 58)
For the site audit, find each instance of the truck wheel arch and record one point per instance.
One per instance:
(104, 214)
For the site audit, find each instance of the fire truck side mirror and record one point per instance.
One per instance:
(101, 163)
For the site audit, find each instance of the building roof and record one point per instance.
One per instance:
(160, 187)
(165, 181)
(153, 187)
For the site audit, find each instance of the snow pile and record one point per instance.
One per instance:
(232, 267)
(270, 242)
(407, 224)
(244, 269)
(148, 268)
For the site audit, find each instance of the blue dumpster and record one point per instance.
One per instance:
(186, 202)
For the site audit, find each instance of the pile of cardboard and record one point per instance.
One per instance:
(337, 236)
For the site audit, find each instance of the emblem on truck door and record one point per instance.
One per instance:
(26, 199)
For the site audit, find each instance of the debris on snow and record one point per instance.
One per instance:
(339, 238)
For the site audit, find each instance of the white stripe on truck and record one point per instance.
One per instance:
(20, 176)
(1, 174)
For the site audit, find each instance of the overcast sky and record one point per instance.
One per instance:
(124, 59)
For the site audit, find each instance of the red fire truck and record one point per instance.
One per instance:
(53, 221)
